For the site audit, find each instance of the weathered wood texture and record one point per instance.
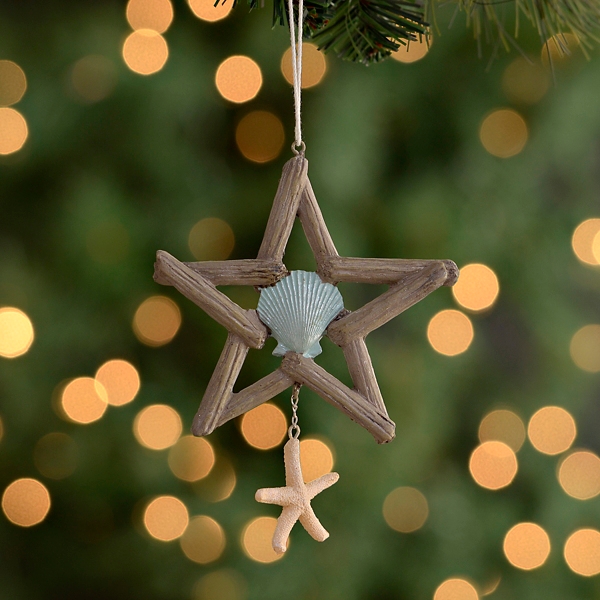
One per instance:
(234, 272)
(220, 387)
(285, 206)
(398, 298)
(244, 323)
(308, 373)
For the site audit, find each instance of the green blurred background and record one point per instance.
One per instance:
(399, 170)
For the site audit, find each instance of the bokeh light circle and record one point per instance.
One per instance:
(219, 484)
(203, 541)
(477, 287)
(526, 546)
(257, 539)
(157, 426)
(552, 430)
(207, 11)
(264, 427)
(16, 332)
(314, 66)
(450, 332)
(405, 509)
(26, 502)
(145, 52)
(211, 239)
(238, 79)
(224, 584)
(413, 51)
(579, 475)
(84, 400)
(503, 133)
(316, 459)
(583, 240)
(13, 130)
(155, 15)
(260, 136)
(13, 82)
(585, 348)
(166, 518)
(121, 381)
(493, 465)
(93, 78)
(191, 458)
(503, 426)
(156, 321)
(456, 589)
(582, 552)
(525, 82)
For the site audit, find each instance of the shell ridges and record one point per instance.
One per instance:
(297, 310)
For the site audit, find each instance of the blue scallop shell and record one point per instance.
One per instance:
(298, 310)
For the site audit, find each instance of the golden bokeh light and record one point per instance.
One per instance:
(145, 51)
(219, 484)
(582, 552)
(26, 502)
(583, 241)
(559, 49)
(156, 321)
(16, 332)
(264, 427)
(13, 130)
(316, 459)
(203, 541)
(191, 458)
(121, 381)
(491, 586)
(456, 589)
(405, 509)
(13, 82)
(157, 426)
(260, 136)
(525, 82)
(314, 66)
(579, 475)
(413, 51)
(503, 426)
(238, 79)
(156, 15)
(93, 78)
(55, 455)
(207, 11)
(83, 400)
(257, 540)
(166, 518)
(450, 332)
(596, 247)
(211, 239)
(585, 348)
(526, 546)
(503, 133)
(493, 465)
(552, 430)
(477, 287)
(224, 584)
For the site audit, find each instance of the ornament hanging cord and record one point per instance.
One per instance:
(298, 147)
(294, 429)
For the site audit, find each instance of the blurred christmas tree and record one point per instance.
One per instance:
(118, 138)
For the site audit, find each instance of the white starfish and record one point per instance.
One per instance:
(295, 499)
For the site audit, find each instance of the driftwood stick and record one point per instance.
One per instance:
(235, 272)
(314, 226)
(220, 387)
(307, 372)
(254, 395)
(380, 270)
(244, 323)
(362, 373)
(285, 208)
(397, 299)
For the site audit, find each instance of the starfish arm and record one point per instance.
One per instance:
(316, 486)
(281, 496)
(293, 468)
(313, 526)
(287, 519)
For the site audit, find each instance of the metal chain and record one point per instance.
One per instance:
(294, 430)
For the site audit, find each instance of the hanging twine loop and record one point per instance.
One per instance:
(298, 147)
(294, 430)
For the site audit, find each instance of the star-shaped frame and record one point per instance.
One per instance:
(409, 281)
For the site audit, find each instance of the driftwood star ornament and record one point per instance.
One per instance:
(295, 499)
(409, 281)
